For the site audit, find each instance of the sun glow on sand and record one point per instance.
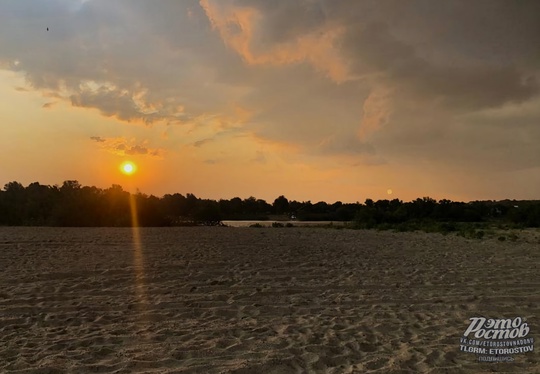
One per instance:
(128, 168)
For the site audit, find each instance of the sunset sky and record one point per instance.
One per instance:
(312, 99)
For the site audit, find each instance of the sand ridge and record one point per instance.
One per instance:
(247, 300)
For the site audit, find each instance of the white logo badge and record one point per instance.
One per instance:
(497, 340)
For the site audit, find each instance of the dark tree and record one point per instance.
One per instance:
(281, 205)
(74, 205)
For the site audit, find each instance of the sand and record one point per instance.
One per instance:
(257, 300)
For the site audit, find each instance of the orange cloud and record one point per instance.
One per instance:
(237, 27)
(273, 146)
(127, 147)
(376, 112)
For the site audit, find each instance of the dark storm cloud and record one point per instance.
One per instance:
(468, 86)
(482, 55)
(132, 47)
(390, 79)
(412, 69)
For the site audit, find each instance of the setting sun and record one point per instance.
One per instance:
(128, 168)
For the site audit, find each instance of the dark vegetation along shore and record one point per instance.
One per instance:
(74, 205)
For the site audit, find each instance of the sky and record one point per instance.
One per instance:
(332, 100)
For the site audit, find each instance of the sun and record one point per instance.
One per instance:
(128, 168)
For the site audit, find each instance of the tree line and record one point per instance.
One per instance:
(72, 204)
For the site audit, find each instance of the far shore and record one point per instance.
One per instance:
(268, 223)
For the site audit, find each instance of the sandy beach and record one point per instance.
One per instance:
(257, 300)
